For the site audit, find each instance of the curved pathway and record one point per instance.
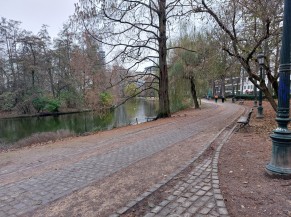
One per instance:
(31, 179)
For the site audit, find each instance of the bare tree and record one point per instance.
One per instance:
(247, 25)
(136, 32)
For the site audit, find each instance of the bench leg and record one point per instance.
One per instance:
(243, 125)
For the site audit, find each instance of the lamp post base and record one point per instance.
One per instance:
(275, 172)
(260, 112)
(280, 165)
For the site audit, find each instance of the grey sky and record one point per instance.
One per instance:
(34, 13)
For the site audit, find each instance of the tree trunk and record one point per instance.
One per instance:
(232, 85)
(164, 103)
(32, 77)
(193, 92)
(51, 82)
(269, 96)
(222, 90)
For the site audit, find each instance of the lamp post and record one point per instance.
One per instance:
(261, 60)
(256, 96)
(280, 164)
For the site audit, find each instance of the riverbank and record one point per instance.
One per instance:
(13, 114)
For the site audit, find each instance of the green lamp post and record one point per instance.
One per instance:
(256, 96)
(280, 164)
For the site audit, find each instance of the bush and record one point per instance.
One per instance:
(53, 105)
(106, 99)
(246, 97)
(43, 103)
(39, 103)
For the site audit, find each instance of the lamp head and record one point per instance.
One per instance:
(261, 58)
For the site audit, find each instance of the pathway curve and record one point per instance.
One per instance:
(198, 194)
(32, 179)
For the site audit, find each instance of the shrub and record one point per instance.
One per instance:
(53, 105)
(39, 103)
(130, 89)
(106, 99)
(246, 97)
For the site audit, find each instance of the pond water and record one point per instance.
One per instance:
(132, 112)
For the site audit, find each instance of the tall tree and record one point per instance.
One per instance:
(136, 32)
(247, 25)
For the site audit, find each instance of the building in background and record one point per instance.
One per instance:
(234, 85)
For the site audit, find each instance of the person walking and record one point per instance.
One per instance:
(222, 98)
(216, 98)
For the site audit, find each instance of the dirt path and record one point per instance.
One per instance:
(97, 174)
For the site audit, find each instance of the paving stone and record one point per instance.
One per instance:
(194, 190)
(179, 210)
(215, 181)
(187, 195)
(150, 214)
(181, 200)
(193, 209)
(217, 191)
(199, 203)
(205, 211)
(210, 204)
(205, 198)
(187, 204)
(173, 205)
(187, 214)
(206, 188)
(200, 192)
(156, 209)
(177, 193)
(220, 203)
(164, 203)
(207, 180)
(209, 193)
(171, 197)
(222, 211)
(193, 198)
(218, 196)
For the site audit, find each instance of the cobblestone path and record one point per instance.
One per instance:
(23, 194)
(198, 195)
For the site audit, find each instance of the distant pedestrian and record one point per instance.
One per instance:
(222, 99)
(216, 98)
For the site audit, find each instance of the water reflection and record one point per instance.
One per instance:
(136, 110)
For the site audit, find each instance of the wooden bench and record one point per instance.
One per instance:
(244, 120)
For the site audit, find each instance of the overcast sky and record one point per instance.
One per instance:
(34, 13)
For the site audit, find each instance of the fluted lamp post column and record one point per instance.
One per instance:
(280, 164)
(256, 96)
(261, 60)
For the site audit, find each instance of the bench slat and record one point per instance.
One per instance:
(242, 120)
